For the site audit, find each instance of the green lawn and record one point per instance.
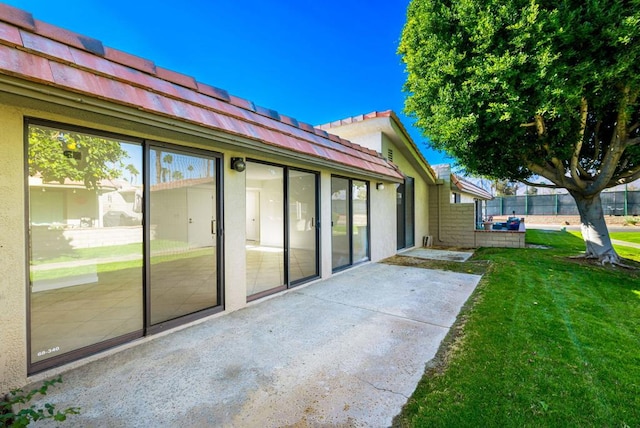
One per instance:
(545, 341)
(627, 236)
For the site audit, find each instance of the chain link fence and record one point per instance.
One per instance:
(623, 203)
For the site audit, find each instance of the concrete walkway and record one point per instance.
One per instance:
(347, 351)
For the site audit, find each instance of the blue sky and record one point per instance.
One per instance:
(316, 61)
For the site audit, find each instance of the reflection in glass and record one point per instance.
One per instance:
(85, 210)
(183, 268)
(265, 227)
(340, 222)
(302, 225)
(409, 212)
(360, 228)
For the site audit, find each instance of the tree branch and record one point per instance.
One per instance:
(550, 173)
(545, 185)
(573, 168)
(616, 148)
(633, 141)
(631, 175)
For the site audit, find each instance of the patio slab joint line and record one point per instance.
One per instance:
(376, 311)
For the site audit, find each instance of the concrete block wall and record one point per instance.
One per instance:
(451, 224)
(502, 239)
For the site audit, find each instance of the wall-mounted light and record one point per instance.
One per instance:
(379, 186)
(238, 164)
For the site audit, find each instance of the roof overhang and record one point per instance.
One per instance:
(50, 63)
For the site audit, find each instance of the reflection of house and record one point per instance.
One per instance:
(234, 201)
(72, 205)
(182, 205)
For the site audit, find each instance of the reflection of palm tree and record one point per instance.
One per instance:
(158, 163)
(168, 159)
(134, 173)
(164, 172)
(190, 169)
(177, 175)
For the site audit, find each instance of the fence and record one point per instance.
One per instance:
(623, 203)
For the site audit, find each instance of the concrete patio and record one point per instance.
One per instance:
(347, 351)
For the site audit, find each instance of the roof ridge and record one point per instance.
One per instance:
(25, 21)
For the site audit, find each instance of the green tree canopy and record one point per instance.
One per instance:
(515, 89)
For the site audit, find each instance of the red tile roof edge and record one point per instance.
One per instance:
(376, 114)
(466, 186)
(25, 21)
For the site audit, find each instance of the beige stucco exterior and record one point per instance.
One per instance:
(386, 135)
(13, 340)
(54, 105)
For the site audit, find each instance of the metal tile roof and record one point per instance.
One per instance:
(39, 52)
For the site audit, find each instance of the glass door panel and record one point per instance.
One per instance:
(265, 250)
(400, 217)
(340, 223)
(183, 214)
(85, 231)
(410, 212)
(303, 236)
(360, 228)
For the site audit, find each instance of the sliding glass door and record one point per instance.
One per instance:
(282, 233)
(303, 231)
(111, 259)
(405, 202)
(183, 198)
(85, 249)
(340, 223)
(265, 208)
(349, 222)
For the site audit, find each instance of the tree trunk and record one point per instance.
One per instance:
(594, 229)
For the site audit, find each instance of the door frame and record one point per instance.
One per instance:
(349, 197)
(287, 283)
(218, 159)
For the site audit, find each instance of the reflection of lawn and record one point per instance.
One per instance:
(111, 251)
(112, 266)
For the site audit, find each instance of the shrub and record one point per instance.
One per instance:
(23, 417)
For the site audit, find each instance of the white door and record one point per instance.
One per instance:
(200, 215)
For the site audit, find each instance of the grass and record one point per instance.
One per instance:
(622, 250)
(545, 341)
(626, 236)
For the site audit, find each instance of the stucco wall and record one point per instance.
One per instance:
(13, 259)
(13, 341)
(422, 189)
(383, 221)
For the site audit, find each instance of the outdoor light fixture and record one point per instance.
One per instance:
(379, 186)
(238, 164)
